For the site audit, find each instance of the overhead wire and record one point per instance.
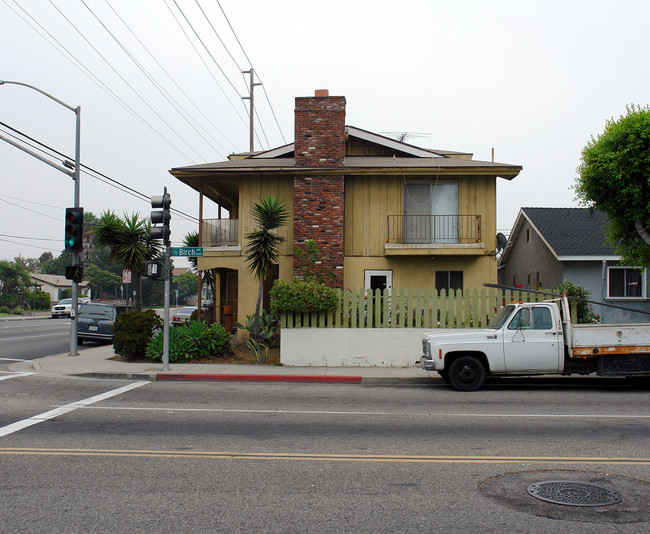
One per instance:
(171, 78)
(204, 63)
(251, 64)
(42, 147)
(166, 95)
(59, 47)
(144, 100)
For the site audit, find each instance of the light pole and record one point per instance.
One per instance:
(75, 176)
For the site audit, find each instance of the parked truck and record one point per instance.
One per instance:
(536, 338)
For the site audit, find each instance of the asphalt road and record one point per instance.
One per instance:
(82, 455)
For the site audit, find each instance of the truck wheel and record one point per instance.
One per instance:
(466, 374)
(80, 341)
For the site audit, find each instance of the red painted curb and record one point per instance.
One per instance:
(259, 378)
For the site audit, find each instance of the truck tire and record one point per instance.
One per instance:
(466, 374)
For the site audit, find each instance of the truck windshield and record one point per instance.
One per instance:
(501, 317)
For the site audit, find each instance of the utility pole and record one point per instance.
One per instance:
(251, 111)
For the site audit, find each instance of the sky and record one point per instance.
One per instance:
(160, 85)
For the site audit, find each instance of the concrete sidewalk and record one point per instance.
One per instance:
(96, 363)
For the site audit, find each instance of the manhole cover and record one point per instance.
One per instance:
(573, 493)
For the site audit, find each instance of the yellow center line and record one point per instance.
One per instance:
(223, 455)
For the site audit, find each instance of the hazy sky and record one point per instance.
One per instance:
(533, 80)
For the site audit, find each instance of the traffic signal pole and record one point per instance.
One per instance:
(165, 354)
(163, 217)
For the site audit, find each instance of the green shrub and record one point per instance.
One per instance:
(18, 311)
(302, 296)
(269, 327)
(132, 333)
(584, 312)
(191, 341)
(4, 309)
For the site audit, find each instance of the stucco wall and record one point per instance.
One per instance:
(351, 347)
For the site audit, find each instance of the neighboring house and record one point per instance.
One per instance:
(55, 285)
(550, 245)
(383, 213)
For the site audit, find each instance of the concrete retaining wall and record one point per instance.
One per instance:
(351, 347)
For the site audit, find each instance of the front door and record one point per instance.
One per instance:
(531, 341)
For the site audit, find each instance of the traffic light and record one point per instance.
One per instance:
(74, 229)
(162, 216)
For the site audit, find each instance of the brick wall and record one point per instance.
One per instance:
(318, 200)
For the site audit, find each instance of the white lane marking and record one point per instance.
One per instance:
(35, 336)
(14, 375)
(20, 425)
(14, 360)
(330, 412)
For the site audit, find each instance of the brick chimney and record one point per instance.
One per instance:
(319, 138)
(318, 199)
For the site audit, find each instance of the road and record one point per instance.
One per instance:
(83, 455)
(30, 338)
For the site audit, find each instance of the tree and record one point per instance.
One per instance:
(263, 247)
(614, 177)
(129, 242)
(186, 283)
(14, 282)
(101, 280)
(207, 277)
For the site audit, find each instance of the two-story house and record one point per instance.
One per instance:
(383, 213)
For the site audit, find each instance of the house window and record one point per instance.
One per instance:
(431, 212)
(449, 280)
(539, 279)
(626, 282)
(528, 235)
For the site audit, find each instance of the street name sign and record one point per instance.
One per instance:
(189, 252)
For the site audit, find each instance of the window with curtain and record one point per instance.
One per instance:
(626, 282)
(431, 212)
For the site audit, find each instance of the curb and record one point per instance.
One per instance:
(258, 378)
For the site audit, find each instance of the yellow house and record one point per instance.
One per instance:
(383, 213)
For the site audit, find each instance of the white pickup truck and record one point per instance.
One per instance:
(533, 339)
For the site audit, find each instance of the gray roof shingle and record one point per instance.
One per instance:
(572, 231)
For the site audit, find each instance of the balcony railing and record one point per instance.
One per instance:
(434, 229)
(220, 232)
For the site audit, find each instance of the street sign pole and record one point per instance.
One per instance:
(165, 355)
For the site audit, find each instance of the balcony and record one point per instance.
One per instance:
(220, 233)
(434, 234)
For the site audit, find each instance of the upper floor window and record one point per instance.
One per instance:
(626, 282)
(431, 212)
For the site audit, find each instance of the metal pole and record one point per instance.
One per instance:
(251, 112)
(165, 354)
(75, 255)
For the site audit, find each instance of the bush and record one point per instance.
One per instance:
(5, 309)
(302, 296)
(268, 327)
(191, 341)
(18, 311)
(132, 333)
(584, 313)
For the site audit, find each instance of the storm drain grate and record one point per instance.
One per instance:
(573, 493)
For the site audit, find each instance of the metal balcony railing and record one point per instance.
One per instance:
(220, 232)
(434, 229)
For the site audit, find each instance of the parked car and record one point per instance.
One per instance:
(95, 322)
(183, 315)
(63, 308)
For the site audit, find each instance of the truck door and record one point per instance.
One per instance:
(531, 341)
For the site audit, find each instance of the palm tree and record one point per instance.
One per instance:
(262, 251)
(129, 243)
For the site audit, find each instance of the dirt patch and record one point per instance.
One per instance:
(241, 355)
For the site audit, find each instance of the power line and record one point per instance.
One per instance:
(170, 99)
(32, 238)
(171, 78)
(251, 66)
(42, 147)
(89, 74)
(211, 56)
(144, 101)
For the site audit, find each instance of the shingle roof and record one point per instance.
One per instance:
(572, 231)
